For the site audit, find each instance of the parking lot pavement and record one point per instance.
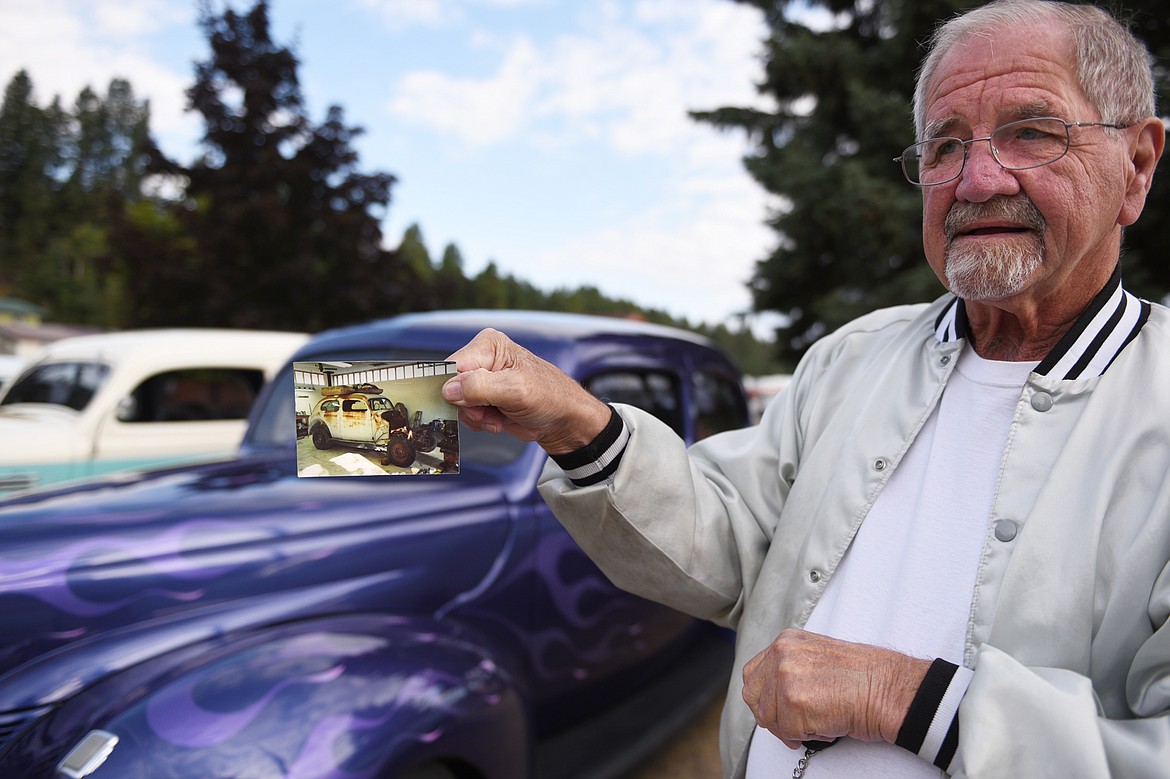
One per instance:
(693, 754)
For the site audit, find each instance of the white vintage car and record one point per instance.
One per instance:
(120, 401)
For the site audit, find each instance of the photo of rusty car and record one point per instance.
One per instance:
(374, 415)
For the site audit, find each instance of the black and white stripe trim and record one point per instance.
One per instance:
(1088, 349)
(951, 324)
(931, 727)
(597, 461)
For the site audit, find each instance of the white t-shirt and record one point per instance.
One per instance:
(908, 578)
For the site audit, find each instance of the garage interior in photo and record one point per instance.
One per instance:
(373, 418)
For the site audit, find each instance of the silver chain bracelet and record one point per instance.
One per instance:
(802, 764)
(810, 749)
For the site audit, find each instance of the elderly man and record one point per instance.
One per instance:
(947, 544)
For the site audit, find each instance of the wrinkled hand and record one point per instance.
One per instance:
(809, 687)
(501, 386)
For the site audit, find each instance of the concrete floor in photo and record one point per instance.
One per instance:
(341, 460)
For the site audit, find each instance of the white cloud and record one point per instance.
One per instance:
(626, 76)
(398, 15)
(479, 112)
(629, 76)
(66, 45)
(135, 18)
(691, 255)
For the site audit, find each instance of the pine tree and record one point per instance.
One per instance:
(30, 158)
(66, 179)
(1143, 255)
(286, 226)
(453, 289)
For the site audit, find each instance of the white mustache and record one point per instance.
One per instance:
(1018, 209)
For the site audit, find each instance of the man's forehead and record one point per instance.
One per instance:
(1002, 76)
(955, 124)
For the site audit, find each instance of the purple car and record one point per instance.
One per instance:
(235, 621)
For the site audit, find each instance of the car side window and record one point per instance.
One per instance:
(657, 393)
(70, 384)
(717, 404)
(193, 394)
(354, 405)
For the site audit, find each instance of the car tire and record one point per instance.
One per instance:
(400, 451)
(321, 437)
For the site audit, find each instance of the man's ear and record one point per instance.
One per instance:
(1148, 140)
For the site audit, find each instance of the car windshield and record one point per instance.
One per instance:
(275, 426)
(69, 384)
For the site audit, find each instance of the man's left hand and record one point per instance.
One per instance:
(809, 687)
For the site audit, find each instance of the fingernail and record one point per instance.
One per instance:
(453, 390)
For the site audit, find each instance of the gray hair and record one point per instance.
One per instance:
(1113, 67)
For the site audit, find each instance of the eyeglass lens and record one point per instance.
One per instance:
(1025, 144)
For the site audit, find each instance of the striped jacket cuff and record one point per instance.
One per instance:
(931, 727)
(598, 460)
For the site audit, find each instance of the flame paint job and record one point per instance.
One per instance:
(232, 620)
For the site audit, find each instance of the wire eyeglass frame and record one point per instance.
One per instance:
(912, 155)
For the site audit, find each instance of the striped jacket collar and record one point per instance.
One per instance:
(1103, 329)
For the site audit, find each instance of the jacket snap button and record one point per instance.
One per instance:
(879, 464)
(814, 576)
(1006, 529)
(1041, 401)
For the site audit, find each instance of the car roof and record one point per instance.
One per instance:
(459, 326)
(228, 347)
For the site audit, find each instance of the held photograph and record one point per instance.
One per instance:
(374, 418)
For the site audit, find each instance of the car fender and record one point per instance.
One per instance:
(344, 697)
(47, 444)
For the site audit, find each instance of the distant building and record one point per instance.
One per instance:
(23, 331)
(13, 310)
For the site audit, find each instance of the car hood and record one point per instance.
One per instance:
(115, 554)
(233, 488)
(46, 432)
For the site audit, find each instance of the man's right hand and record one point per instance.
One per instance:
(502, 387)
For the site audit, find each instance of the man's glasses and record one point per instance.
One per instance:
(1028, 143)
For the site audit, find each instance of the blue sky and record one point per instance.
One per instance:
(548, 136)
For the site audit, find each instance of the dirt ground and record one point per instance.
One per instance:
(693, 754)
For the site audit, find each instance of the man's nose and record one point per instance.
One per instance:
(983, 177)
